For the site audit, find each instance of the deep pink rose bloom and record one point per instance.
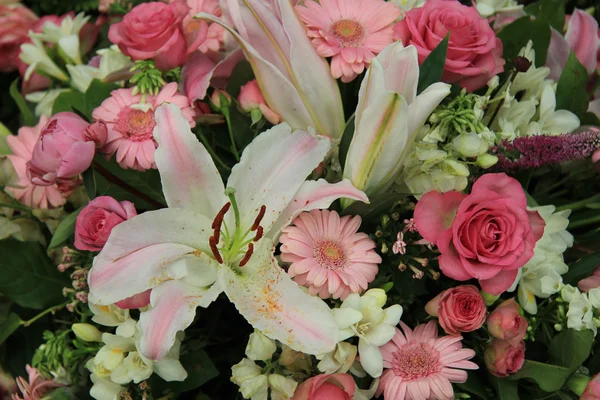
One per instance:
(326, 387)
(486, 235)
(474, 52)
(592, 390)
(155, 30)
(459, 309)
(506, 323)
(62, 152)
(503, 359)
(96, 221)
(15, 22)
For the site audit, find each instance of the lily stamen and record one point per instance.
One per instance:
(259, 218)
(247, 255)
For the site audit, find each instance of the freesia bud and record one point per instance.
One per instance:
(379, 294)
(87, 332)
(486, 160)
(260, 347)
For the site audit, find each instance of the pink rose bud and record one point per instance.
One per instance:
(503, 359)
(96, 221)
(326, 387)
(154, 31)
(459, 309)
(215, 99)
(592, 390)
(62, 152)
(15, 22)
(506, 323)
(136, 301)
(252, 100)
(97, 133)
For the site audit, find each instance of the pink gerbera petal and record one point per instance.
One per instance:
(352, 32)
(324, 255)
(422, 365)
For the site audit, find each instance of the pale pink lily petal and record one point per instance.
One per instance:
(271, 302)
(558, 53)
(435, 212)
(272, 169)
(139, 251)
(173, 309)
(315, 195)
(189, 176)
(582, 36)
(136, 301)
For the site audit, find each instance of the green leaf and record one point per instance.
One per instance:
(552, 10)
(28, 118)
(571, 91)
(570, 348)
(589, 118)
(516, 35)
(582, 268)
(347, 136)
(89, 182)
(240, 125)
(9, 326)
(65, 230)
(28, 276)
(549, 378)
(506, 389)
(474, 385)
(86, 102)
(200, 369)
(242, 73)
(432, 68)
(379, 204)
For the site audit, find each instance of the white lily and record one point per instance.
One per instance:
(388, 116)
(294, 79)
(552, 121)
(195, 249)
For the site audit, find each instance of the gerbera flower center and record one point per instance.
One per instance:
(136, 124)
(330, 254)
(414, 361)
(348, 32)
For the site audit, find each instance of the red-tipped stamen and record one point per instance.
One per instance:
(247, 255)
(259, 217)
(259, 233)
(213, 247)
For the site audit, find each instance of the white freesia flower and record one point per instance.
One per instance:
(406, 5)
(34, 54)
(104, 389)
(581, 314)
(364, 317)
(487, 8)
(260, 347)
(513, 116)
(112, 315)
(111, 60)
(66, 36)
(133, 368)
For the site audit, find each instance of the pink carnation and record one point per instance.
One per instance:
(351, 32)
(24, 191)
(328, 255)
(487, 235)
(130, 124)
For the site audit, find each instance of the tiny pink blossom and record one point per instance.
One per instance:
(61, 153)
(23, 190)
(36, 388)
(410, 225)
(421, 365)
(130, 124)
(399, 246)
(251, 98)
(351, 32)
(328, 255)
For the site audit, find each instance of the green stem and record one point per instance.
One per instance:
(225, 112)
(584, 222)
(40, 315)
(16, 207)
(578, 204)
(213, 154)
(554, 186)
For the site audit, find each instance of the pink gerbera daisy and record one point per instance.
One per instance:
(213, 40)
(328, 256)
(23, 190)
(352, 32)
(130, 124)
(421, 366)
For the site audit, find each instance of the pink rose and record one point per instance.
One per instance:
(459, 309)
(252, 100)
(326, 387)
(506, 323)
(154, 30)
(592, 281)
(503, 359)
(62, 152)
(486, 235)
(592, 390)
(15, 22)
(96, 221)
(474, 52)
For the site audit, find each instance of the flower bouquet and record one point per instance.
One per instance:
(277, 199)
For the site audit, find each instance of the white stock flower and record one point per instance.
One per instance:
(248, 376)
(364, 317)
(282, 388)
(340, 360)
(66, 35)
(260, 347)
(552, 121)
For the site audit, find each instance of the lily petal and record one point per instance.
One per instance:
(139, 251)
(200, 72)
(314, 195)
(189, 176)
(272, 169)
(274, 304)
(173, 309)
